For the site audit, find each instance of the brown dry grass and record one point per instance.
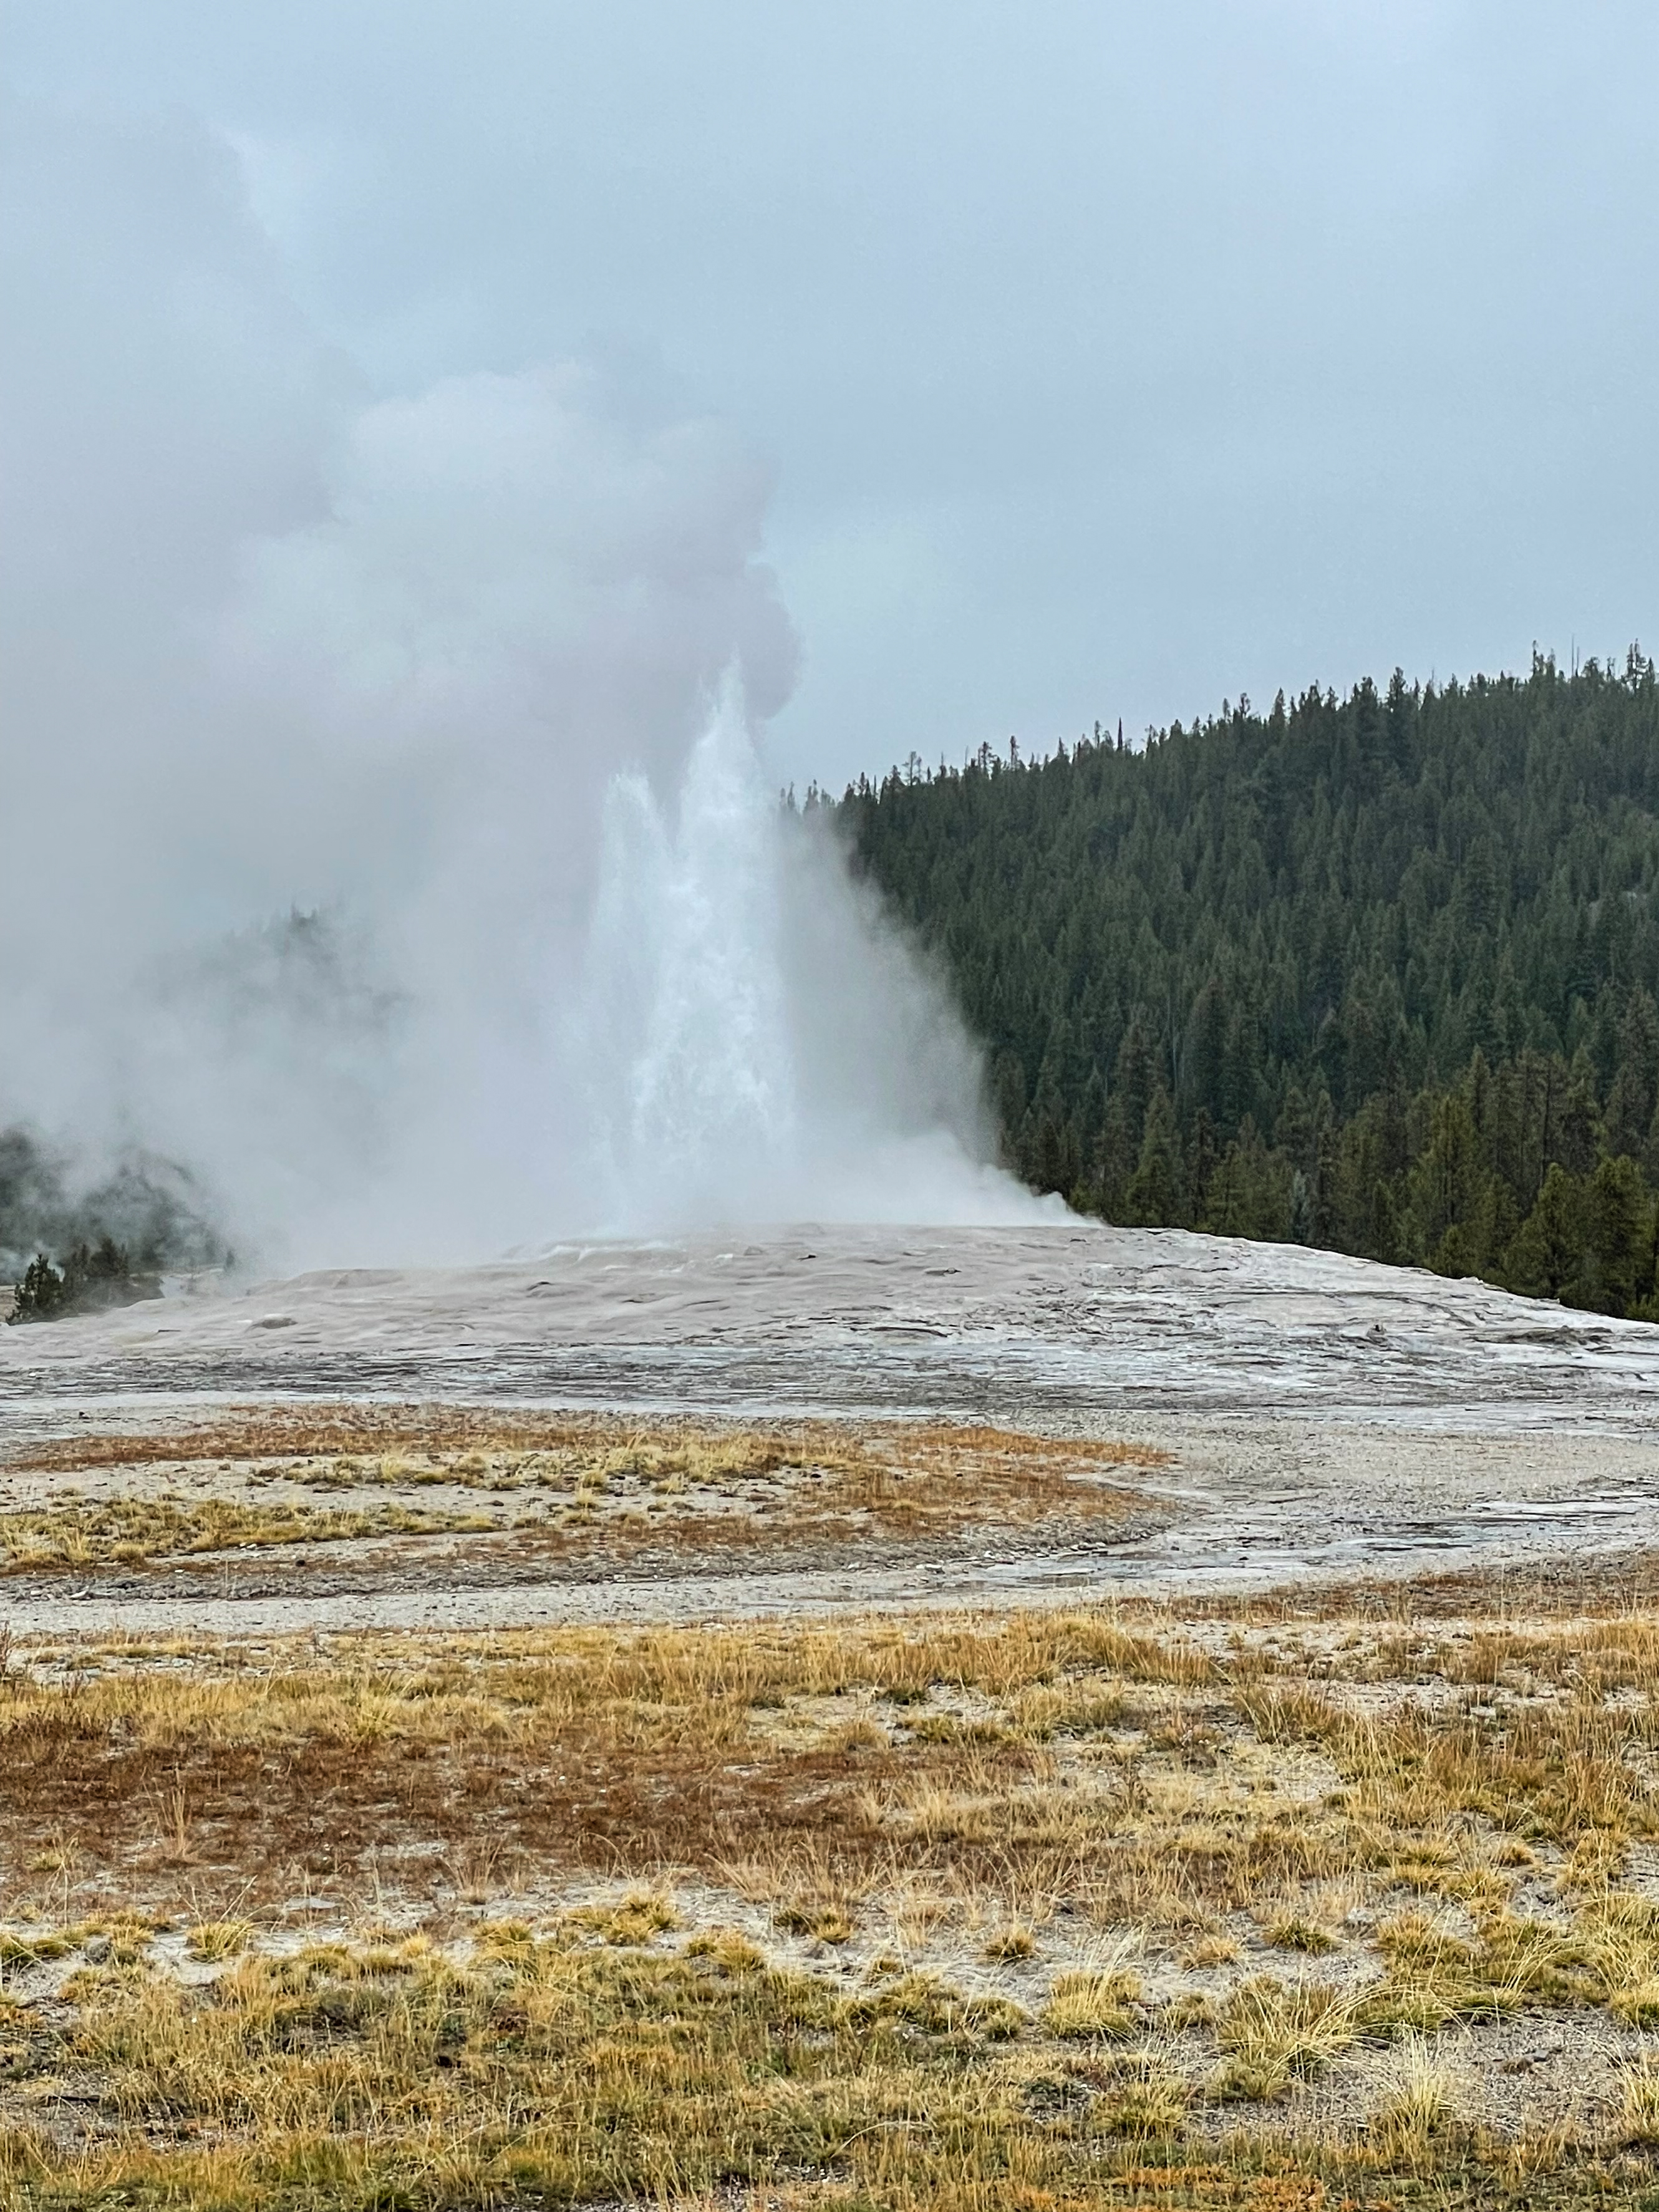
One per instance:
(571, 1482)
(290, 1431)
(1031, 1911)
(127, 1531)
(1144, 1776)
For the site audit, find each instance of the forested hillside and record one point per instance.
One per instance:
(1378, 973)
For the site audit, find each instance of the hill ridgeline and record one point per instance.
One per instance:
(1379, 974)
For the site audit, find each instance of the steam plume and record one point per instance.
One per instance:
(387, 840)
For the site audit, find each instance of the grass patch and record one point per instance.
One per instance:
(218, 1939)
(126, 1531)
(530, 1850)
(1270, 2030)
(1092, 2003)
(586, 1473)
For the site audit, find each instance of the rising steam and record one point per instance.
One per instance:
(388, 839)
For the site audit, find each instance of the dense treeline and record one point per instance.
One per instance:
(111, 1236)
(1380, 974)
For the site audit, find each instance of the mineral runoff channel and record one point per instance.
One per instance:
(807, 1420)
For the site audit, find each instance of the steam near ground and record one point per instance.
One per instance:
(385, 836)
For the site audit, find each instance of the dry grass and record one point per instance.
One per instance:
(1426, 2088)
(1042, 1911)
(1270, 2030)
(128, 1531)
(668, 1443)
(565, 1481)
(219, 1939)
(1092, 2003)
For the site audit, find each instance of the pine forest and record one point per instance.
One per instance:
(1379, 974)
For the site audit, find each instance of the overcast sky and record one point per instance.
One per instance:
(1107, 359)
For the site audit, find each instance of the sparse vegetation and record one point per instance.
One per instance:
(562, 1481)
(582, 1915)
(128, 1531)
(1230, 1905)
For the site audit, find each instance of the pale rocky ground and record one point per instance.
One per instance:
(1325, 1419)
(1325, 1416)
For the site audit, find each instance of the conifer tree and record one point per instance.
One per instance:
(1381, 973)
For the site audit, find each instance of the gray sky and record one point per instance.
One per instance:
(1108, 359)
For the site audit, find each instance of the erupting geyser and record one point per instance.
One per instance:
(762, 1048)
(429, 673)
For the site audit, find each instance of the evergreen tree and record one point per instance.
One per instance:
(1547, 1255)
(1413, 935)
(1156, 1193)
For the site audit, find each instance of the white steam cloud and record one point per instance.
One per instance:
(471, 674)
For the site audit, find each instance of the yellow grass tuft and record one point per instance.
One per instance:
(1092, 2003)
(1269, 2030)
(219, 1939)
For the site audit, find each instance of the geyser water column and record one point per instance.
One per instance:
(759, 1043)
(688, 1037)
